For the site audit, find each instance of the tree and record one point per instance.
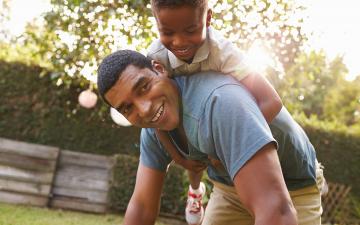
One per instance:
(276, 22)
(4, 18)
(317, 87)
(343, 103)
(77, 34)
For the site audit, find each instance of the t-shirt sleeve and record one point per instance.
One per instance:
(239, 130)
(152, 154)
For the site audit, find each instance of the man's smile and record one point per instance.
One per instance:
(158, 114)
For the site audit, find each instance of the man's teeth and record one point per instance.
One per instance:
(158, 114)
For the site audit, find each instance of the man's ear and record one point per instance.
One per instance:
(159, 68)
(208, 17)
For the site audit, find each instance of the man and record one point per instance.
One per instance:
(264, 180)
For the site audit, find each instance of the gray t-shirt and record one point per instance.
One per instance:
(222, 120)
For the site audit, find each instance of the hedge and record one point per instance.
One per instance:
(34, 109)
(172, 199)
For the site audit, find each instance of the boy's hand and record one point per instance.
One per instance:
(192, 165)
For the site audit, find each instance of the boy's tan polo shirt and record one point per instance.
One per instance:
(216, 53)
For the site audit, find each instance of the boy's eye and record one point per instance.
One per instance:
(167, 33)
(190, 31)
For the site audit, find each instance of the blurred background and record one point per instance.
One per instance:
(50, 50)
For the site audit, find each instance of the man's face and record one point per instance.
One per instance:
(182, 29)
(146, 98)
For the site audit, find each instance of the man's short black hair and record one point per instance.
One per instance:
(158, 4)
(114, 64)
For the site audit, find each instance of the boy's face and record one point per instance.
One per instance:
(146, 98)
(182, 29)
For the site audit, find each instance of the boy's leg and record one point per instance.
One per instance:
(194, 211)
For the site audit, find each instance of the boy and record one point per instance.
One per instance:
(188, 45)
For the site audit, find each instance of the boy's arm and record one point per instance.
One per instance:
(266, 97)
(231, 61)
(261, 188)
(144, 204)
(193, 165)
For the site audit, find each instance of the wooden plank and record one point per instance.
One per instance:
(68, 203)
(85, 159)
(27, 162)
(84, 172)
(24, 199)
(66, 180)
(90, 196)
(26, 149)
(24, 187)
(26, 175)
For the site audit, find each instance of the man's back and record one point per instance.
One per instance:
(221, 119)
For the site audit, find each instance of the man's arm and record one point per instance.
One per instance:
(144, 204)
(261, 188)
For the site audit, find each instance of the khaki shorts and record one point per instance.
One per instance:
(224, 207)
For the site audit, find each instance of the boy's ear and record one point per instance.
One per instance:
(159, 68)
(208, 17)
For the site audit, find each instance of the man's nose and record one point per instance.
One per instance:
(144, 107)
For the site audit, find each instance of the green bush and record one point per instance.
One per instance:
(338, 149)
(172, 200)
(34, 109)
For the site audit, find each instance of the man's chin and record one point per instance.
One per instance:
(170, 126)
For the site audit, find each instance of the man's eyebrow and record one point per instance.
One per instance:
(138, 83)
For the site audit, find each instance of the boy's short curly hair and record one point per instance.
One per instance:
(158, 4)
(113, 65)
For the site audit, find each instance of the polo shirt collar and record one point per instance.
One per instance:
(201, 54)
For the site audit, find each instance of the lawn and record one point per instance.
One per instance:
(24, 215)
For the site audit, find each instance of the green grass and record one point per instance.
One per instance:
(24, 215)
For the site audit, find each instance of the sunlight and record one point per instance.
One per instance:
(22, 12)
(334, 25)
(258, 58)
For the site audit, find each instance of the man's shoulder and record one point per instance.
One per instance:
(199, 89)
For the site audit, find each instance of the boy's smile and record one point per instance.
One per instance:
(146, 98)
(183, 29)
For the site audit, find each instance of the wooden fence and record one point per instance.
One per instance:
(39, 175)
(82, 182)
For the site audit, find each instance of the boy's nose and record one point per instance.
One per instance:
(177, 41)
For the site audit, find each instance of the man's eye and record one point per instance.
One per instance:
(145, 87)
(126, 110)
